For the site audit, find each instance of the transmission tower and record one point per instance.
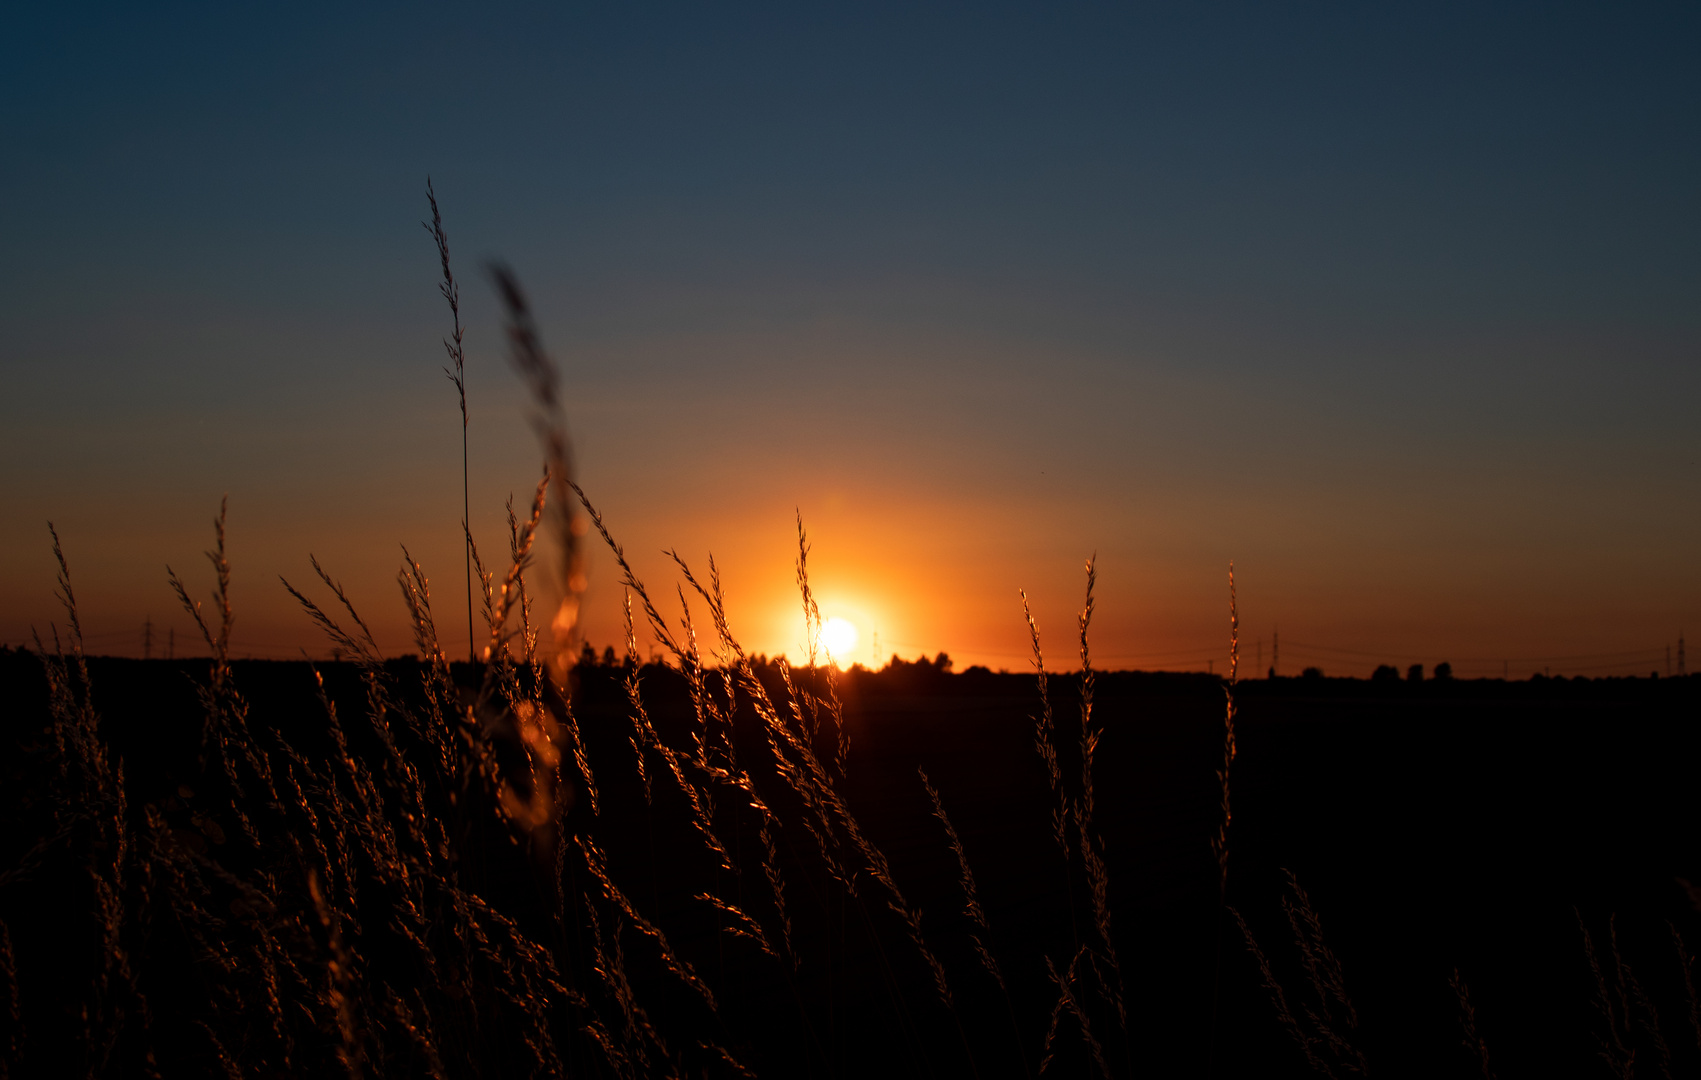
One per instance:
(148, 639)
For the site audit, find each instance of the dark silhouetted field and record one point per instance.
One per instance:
(251, 896)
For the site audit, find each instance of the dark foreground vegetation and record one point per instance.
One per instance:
(720, 868)
(724, 866)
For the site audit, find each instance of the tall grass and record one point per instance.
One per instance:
(1220, 842)
(454, 345)
(512, 867)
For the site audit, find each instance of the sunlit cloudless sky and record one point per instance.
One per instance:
(1394, 307)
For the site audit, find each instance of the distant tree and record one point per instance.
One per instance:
(1385, 673)
(608, 657)
(1414, 673)
(1444, 670)
(942, 662)
(1311, 673)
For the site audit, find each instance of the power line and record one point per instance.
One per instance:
(1558, 658)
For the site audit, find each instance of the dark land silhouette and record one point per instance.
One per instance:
(1437, 826)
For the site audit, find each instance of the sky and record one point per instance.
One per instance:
(1395, 307)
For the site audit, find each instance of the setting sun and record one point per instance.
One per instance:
(838, 637)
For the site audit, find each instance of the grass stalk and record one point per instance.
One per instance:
(1068, 1000)
(1220, 842)
(1473, 1042)
(538, 372)
(1686, 967)
(454, 346)
(1090, 842)
(976, 914)
(1045, 742)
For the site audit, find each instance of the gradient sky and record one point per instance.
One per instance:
(1398, 309)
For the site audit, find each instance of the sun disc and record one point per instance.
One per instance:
(838, 637)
